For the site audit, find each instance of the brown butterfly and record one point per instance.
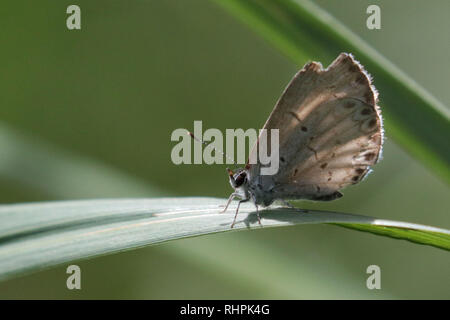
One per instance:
(330, 134)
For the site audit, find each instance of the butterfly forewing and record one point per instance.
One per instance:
(330, 131)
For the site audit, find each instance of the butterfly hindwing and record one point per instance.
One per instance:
(330, 131)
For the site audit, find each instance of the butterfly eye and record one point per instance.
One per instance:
(240, 179)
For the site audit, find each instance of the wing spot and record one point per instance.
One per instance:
(304, 129)
(353, 68)
(366, 111)
(324, 165)
(369, 156)
(372, 123)
(359, 171)
(355, 178)
(282, 159)
(361, 79)
(295, 172)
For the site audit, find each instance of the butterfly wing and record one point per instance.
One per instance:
(330, 131)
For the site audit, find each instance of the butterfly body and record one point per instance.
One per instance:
(330, 134)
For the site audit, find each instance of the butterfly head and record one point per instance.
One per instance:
(238, 178)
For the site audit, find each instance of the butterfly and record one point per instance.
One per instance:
(330, 134)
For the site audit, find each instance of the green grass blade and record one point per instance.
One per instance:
(35, 236)
(303, 32)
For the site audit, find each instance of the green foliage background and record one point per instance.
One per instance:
(107, 98)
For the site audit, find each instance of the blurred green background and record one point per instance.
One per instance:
(89, 113)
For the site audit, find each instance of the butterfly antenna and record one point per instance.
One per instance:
(198, 140)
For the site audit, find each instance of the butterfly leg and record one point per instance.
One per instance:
(237, 210)
(257, 214)
(232, 196)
